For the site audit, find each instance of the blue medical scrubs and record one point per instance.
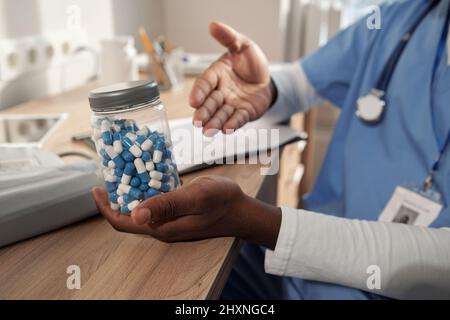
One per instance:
(364, 164)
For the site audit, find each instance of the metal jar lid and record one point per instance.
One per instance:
(123, 95)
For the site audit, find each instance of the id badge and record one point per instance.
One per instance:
(412, 206)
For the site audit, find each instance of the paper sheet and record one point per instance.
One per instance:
(193, 150)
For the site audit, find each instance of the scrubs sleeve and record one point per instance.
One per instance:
(331, 68)
(390, 259)
(295, 93)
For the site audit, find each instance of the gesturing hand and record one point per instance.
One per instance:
(236, 88)
(210, 206)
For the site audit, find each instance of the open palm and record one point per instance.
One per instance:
(236, 88)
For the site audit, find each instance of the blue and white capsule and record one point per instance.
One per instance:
(158, 152)
(100, 145)
(117, 143)
(106, 132)
(118, 172)
(146, 156)
(155, 184)
(165, 187)
(115, 127)
(126, 209)
(104, 155)
(131, 136)
(128, 198)
(141, 170)
(150, 166)
(135, 193)
(157, 175)
(109, 177)
(127, 156)
(144, 131)
(162, 167)
(151, 193)
(111, 164)
(132, 147)
(165, 177)
(129, 125)
(135, 182)
(120, 163)
(125, 179)
(129, 190)
(172, 183)
(128, 172)
(113, 201)
(110, 186)
(125, 188)
(113, 197)
(144, 143)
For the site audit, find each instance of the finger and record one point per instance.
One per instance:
(227, 36)
(166, 206)
(212, 103)
(203, 86)
(238, 119)
(193, 227)
(101, 199)
(181, 229)
(219, 118)
(119, 222)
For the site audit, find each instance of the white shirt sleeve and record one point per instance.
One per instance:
(413, 262)
(295, 92)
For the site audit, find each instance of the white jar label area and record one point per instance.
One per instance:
(137, 163)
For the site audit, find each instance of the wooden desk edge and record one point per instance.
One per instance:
(213, 289)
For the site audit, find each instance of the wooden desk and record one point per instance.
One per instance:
(115, 265)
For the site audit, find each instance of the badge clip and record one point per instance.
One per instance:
(428, 183)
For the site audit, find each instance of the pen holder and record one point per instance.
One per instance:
(168, 70)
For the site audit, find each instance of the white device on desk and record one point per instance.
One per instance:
(38, 191)
(43, 198)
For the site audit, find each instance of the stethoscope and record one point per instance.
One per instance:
(370, 108)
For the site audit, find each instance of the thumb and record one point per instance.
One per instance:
(227, 36)
(164, 207)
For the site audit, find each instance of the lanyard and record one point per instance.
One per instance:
(441, 49)
(386, 75)
(429, 179)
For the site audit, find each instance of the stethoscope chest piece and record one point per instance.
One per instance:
(370, 108)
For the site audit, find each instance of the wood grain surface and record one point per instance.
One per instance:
(115, 265)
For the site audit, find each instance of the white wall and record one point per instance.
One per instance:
(129, 15)
(95, 16)
(19, 18)
(186, 23)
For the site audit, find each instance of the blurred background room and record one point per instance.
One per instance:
(48, 47)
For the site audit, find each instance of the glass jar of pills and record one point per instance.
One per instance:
(132, 137)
